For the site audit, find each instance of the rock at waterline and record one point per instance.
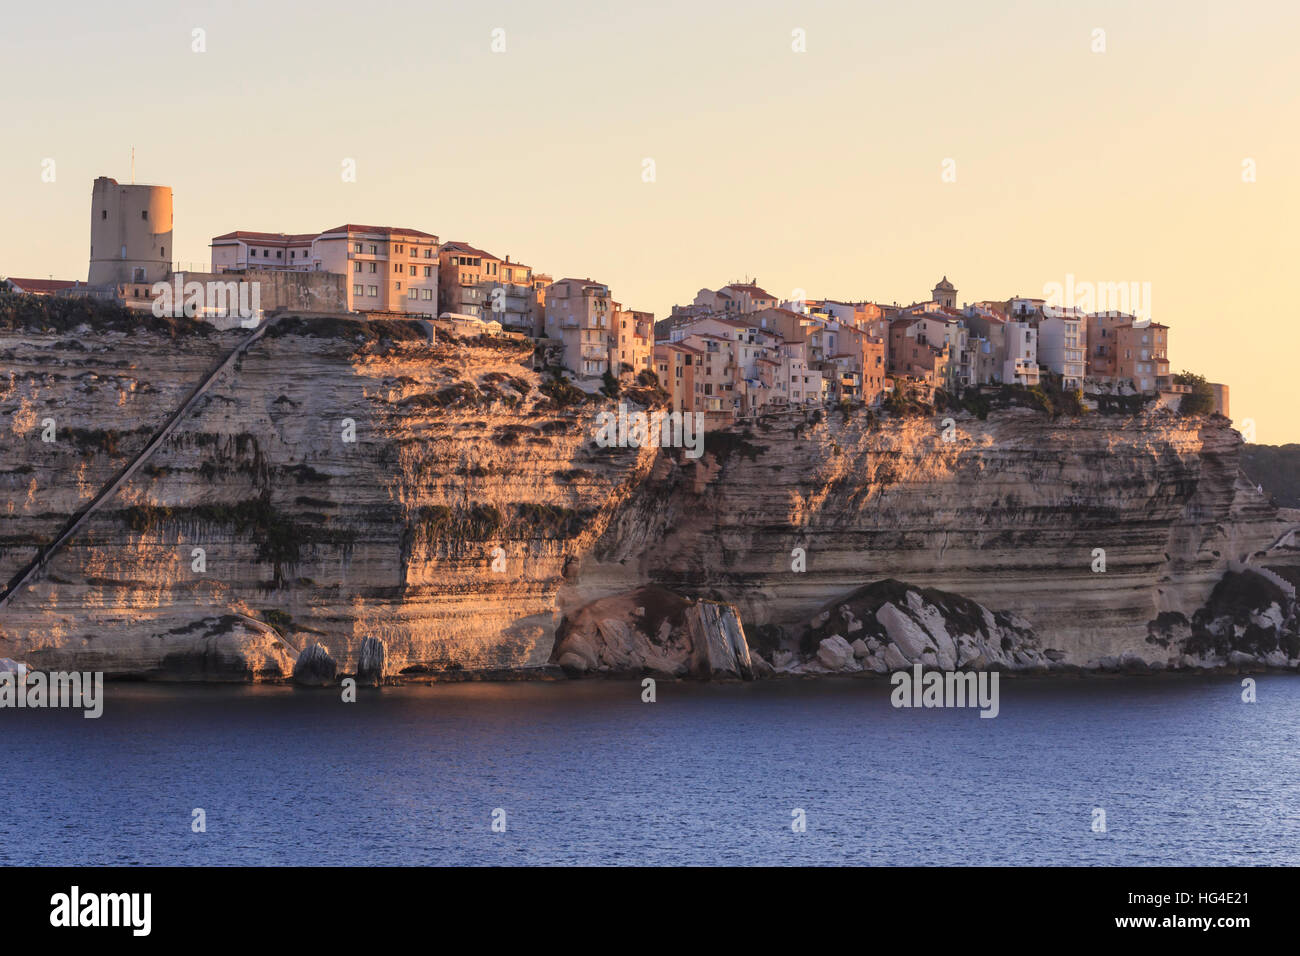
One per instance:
(719, 648)
(314, 667)
(370, 662)
(836, 654)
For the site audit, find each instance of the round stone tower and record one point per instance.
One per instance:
(130, 232)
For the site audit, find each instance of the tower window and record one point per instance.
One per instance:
(103, 214)
(144, 213)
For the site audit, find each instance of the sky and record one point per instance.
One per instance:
(819, 169)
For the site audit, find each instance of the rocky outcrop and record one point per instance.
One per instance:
(315, 667)
(370, 662)
(894, 625)
(718, 645)
(653, 631)
(1249, 621)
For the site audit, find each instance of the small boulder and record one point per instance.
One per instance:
(835, 653)
(894, 659)
(573, 663)
(1241, 659)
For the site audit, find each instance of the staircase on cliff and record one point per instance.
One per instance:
(34, 567)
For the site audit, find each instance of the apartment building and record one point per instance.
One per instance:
(743, 366)
(675, 364)
(804, 385)
(579, 313)
(387, 268)
(1020, 355)
(715, 381)
(913, 356)
(1142, 356)
(736, 298)
(476, 283)
(632, 342)
(1063, 345)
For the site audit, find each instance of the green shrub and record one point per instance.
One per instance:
(1200, 400)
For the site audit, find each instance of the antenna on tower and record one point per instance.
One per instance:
(132, 165)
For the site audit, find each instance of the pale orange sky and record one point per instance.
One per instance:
(817, 170)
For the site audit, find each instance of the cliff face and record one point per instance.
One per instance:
(341, 486)
(1010, 512)
(347, 481)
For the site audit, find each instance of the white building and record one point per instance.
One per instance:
(1063, 345)
(1020, 355)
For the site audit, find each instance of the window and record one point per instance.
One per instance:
(357, 290)
(357, 247)
(374, 250)
(356, 267)
(266, 253)
(397, 267)
(144, 214)
(398, 286)
(103, 214)
(428, 253)
(426, 294)
(279, 253)
(374, 267)
(412, 270)
(372, 290)
(162, 252)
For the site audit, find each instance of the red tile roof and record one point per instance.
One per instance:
(40, 286)
(751, 288)
(268, 238)
(467, 249)
(378, 231)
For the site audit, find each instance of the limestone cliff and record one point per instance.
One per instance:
(347, 481)
(1010, 512)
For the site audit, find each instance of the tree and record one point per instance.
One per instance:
(1200, 400)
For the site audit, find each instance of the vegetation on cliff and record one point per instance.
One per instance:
(1200, 401)
(53, 313)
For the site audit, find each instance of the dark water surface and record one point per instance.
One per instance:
(587, 773)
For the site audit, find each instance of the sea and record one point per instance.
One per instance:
(1172, 770)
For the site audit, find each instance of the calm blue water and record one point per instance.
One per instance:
(586, 773)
